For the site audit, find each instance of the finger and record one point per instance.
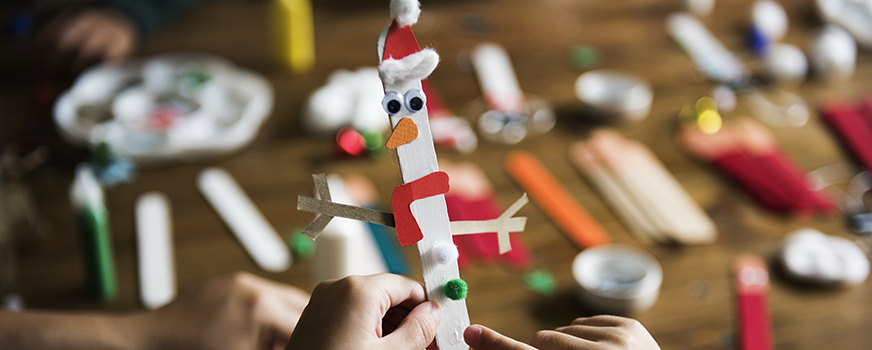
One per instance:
(592, 333)
(553, 340)
(417, 330)
(393, 318)
(483, 338)
(603, 321)
(398, 290)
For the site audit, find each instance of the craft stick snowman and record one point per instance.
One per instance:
(420, 214)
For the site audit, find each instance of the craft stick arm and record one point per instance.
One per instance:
(501, 225)
(327, 209)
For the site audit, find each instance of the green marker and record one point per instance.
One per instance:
(92, 222)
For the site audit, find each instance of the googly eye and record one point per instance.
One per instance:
(415, 100)
(392, 103)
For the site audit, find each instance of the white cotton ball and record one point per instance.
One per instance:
(405, 12)
(328, 109)
(444, 253)
(701, 8)
(725, 98)
(833, 54)
(786, 64)
(811, 256)
(770, 19)
(368, 113)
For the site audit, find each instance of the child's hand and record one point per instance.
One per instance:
(367, 312)
(598, 332)
(241, 311)
(76, 41)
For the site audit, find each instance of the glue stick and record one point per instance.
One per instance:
(294, 34)
(92, 221)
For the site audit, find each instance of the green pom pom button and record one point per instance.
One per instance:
(455, 289)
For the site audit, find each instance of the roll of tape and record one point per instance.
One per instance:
(617, 279)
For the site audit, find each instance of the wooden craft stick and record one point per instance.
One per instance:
(247, 223)
(752, 286)
(154, 245)
(625, 207)
(555, 200)
(654, 190)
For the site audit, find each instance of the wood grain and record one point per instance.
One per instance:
(696, 306)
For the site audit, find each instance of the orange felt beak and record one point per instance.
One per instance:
(405, 132)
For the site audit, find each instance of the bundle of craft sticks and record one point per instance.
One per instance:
(749, 154)
(853, 124)
(641, 191)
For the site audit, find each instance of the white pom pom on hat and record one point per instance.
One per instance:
(416, 66)
(405, 12)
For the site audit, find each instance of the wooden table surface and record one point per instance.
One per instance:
(629, 34)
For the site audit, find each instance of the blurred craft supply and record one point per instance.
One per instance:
(247, 223)
(749, 154)
(768, 25)
(752, 309)
(554, 200)
(449, 130)
(345, 247)
(584, 57)
(832, 54)
(155, 253)
(641, 190)
(294, 34)
(92, 220)
(617, 279)
(510, 116)
(701, 8)
(361, 190)
(615, 95)
(165, 108)
(852, 123)
(854, 16)
(471, 197)
(110, 167)
(347, 99)
(810, 256)
(785, 64)
(776, 108)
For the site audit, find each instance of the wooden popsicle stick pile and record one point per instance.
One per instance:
(641, 191)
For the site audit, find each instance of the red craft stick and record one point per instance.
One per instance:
(790, 181)
(752, 285)
(742, 168)
(554, 200)
(794, 174)
(855, 133)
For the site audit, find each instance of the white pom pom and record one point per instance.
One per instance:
(405, 12)
(786, 64)
(444, 253)
(416, 66)
(770, 19)
(833, 54)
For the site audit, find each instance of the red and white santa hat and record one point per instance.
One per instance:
(401, 57)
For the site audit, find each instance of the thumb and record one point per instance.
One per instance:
(417, 330)
(483, 338)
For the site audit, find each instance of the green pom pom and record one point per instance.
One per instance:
(584, 57)
(540, 282)
(455, 289)
(302, 247)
